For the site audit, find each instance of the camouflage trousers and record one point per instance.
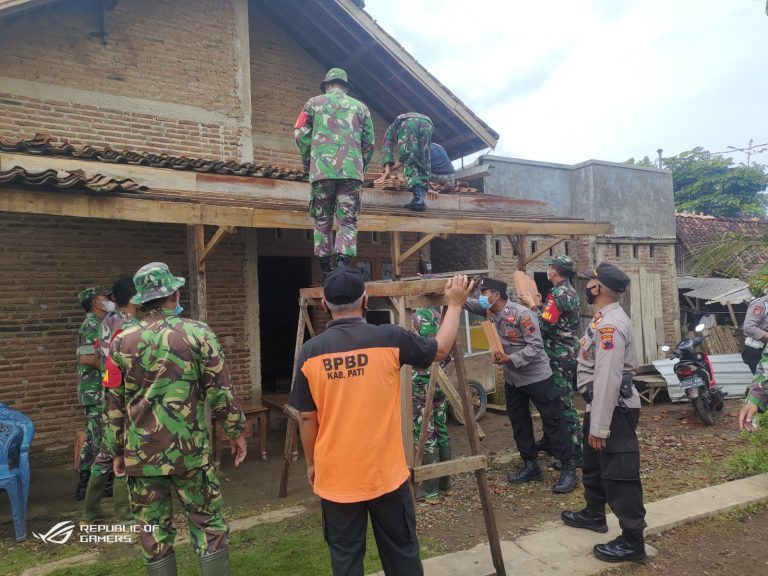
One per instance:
(339, 200)
(563, 371)
(415, 148)
(437, 427)
(199, 492)
(93, 431)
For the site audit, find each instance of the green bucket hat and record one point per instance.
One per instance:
(562, 261)
(153, 281)
(335, 75)
(90, 292)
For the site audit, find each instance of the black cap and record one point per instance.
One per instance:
(493, 284)
(608, 274)
(343, 286)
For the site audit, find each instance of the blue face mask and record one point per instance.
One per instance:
(179, 309)
(485, 304)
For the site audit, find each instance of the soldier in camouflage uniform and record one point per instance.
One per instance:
(411, 134)
(559, 321)
(96, 305)
(334, 133)
(158, 434)
(102, 481)
(437, 447)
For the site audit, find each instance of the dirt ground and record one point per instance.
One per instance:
(678, 453)
(729, 545)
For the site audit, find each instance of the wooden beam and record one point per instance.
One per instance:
(197, 283)
(218, 236)
(545, 248)
(398, 288)
(416, 247)
(395, 243)
(733, 315)
(455, 466)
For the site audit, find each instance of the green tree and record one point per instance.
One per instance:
(732, 254)
(712, 184)
(645, 162)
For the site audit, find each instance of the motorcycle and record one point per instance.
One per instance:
(697, 379)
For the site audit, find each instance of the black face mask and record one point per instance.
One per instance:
(590, 296)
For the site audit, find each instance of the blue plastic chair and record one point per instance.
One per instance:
(16, 433)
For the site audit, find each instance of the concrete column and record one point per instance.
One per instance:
(253, 336)
(243, 78)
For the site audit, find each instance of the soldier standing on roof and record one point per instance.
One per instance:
(334, 133)
(411, 135)
(755, 331)
(559, 320)
(157, 430)
(96, 305)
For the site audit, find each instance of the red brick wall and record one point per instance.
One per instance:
(46, 262)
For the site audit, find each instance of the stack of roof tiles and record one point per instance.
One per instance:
(42, 144)
(64, 180)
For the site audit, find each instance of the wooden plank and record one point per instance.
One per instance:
(481, 475)
(492, 335)
(455, 466)
(395, 289)
(218, 236)
(548, 246)
(636, 315)
(416, 247)
(197, 283)
(396, 263)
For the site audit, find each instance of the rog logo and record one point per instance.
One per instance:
(59, 534)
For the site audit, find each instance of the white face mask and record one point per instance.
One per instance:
(108, 306)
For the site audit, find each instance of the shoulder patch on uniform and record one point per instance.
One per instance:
(301, 120)
(527, 323)
(597, 319)
(758, 310)
(606, 339)
(607, 330)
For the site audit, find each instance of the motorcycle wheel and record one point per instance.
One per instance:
(703, 410)
(479, 400)
(717, 399)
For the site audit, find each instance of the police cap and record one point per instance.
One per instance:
(493, 284)
(611, 276)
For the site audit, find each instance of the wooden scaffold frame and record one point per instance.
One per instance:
(401, 297)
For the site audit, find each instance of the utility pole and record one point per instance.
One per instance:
(751, 149)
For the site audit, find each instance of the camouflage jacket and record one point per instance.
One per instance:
(89, 378)
(157, 418)
(402, 134)
(758, 392)
(559, 321)
(334, 133)
(111, 323)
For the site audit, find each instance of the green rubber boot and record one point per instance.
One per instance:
(122, 502)
(216, 564)
(163, 567)
(427, 490)
(444, 483)
(93, 495)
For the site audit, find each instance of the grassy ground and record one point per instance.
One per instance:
(294, 546)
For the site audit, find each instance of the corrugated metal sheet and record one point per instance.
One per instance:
(731, 374)
(722, 290)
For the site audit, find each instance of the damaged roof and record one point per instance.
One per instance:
(67, 180)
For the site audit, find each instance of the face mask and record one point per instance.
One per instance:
(485, 303)
(590, 296)
(108, 306)
(179, 309)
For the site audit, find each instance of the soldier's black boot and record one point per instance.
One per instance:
(568, 480)
(625, 548)
(110, 480)
(445, 485)
(586, 519)
(166, 566)
(529, 472)
(216, 564)
(82, 484)
(342, 260)
(418, 204)
(325, 266)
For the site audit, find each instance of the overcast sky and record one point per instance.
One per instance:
(569, 80)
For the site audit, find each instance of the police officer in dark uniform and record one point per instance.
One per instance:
(528, 378)
(607, 361)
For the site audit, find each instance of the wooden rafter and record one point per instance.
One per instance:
(548, 246)
(218, 236)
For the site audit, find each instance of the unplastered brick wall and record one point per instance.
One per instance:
(71, 85)
(46, 262)
(284, 76)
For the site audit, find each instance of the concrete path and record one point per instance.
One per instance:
(556, 549)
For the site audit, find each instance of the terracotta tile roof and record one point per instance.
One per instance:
(64, 180)
(43, 145)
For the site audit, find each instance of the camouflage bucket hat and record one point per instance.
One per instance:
(155, 281)
(88, 293)
(564, 262)
(335, 75)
